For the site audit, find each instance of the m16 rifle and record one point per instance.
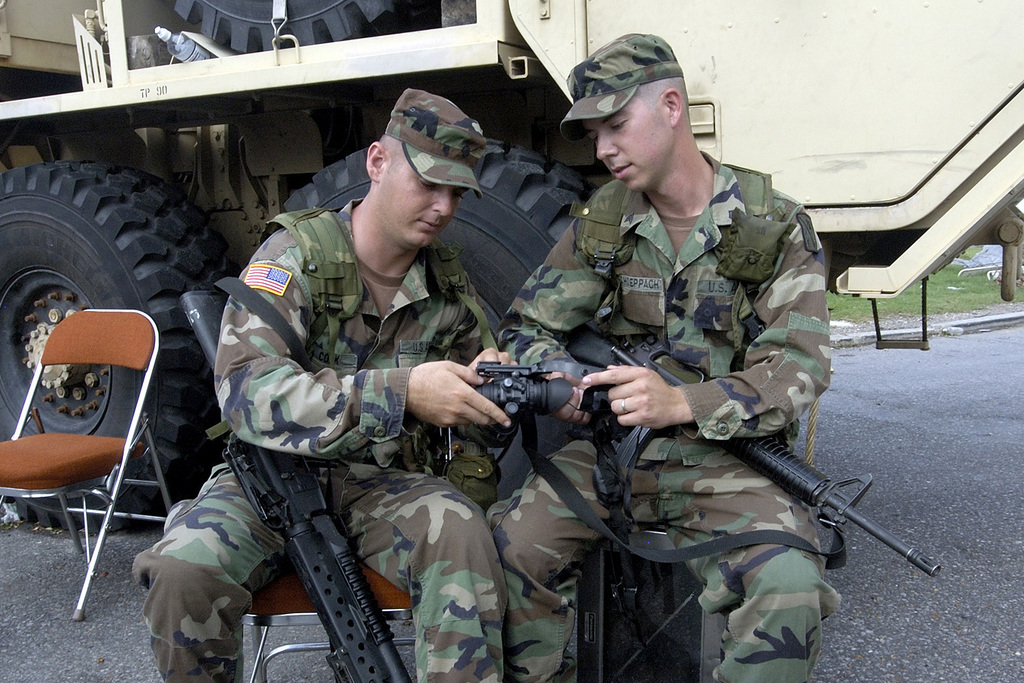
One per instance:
(766, 455)
(285, 492)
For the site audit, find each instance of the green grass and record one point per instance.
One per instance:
(947, 293)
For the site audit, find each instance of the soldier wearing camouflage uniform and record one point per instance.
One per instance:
(400, 369)
(629, 97)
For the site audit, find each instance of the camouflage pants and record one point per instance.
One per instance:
(415, 529)
(774, 597)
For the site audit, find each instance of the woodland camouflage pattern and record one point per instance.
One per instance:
(604, 82)
(217, 551)
(440, 141)
(685, 479)
(197, 592)
(355, 411)
(685, 302)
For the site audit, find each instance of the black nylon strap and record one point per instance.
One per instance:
(249, 298)
(572, 497)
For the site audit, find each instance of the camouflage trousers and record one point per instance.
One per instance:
(774, 597)
(417, 530)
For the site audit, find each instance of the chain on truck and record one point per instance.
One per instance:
(145, 144)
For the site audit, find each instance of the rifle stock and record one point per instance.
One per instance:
(766, 455)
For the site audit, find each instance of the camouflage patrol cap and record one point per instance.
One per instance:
(603, 83)
(442, 144)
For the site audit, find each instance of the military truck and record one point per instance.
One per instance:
(132, 174)
(137, 166)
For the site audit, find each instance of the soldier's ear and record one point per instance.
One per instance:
(675, 106)
(376, 161)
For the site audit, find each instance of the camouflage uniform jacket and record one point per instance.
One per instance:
(356, 410)
(681, 299)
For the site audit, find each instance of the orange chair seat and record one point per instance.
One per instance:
(286, 595)
(49, 461)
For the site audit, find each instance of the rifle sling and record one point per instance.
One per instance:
(249, 298)
(572, 497)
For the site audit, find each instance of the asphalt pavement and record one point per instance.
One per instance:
(941, 431)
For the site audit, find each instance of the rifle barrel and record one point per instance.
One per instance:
(772, 459)
(912, 555)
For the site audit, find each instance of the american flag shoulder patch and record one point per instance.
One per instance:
(273, 279)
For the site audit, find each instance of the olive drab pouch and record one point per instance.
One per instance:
(606, 247)
(476, 475)
(750, 246)
(599, 236)
(755, 238)
(329, 264)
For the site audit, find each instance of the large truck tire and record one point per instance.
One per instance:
(76, 235)
(245, 25)
(505, 235)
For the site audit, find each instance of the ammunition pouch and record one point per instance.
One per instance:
(477, 476)
(598, 237)
(750, 246)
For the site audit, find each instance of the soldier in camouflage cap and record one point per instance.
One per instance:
(386, 374)
(602, 84)
(441, 143)
(654, 253)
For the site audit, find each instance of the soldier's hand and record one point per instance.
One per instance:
(570, 412)
(491, 356)
(641, 398)
(442, 393)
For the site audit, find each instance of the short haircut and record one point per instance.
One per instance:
(651, 91)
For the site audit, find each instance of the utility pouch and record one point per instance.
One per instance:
(750, 246)
(477, 476)
(599, 236)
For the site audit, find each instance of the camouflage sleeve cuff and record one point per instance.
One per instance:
(716, 416)
(381, 399)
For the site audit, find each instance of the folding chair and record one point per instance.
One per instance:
(54, 464)
(284, 602)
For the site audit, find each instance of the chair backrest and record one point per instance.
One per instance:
(102, 337)
(99, 336)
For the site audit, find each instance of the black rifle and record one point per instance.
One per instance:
(285, 492)
(766, 455)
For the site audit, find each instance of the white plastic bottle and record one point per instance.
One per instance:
(181, 47)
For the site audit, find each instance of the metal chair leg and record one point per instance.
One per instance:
(259, 666)
(155, 461)
(101, 537)
(70, 522)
